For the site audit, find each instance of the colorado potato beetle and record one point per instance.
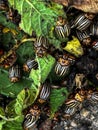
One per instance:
(44, 93)
(41, 46)
(71, 107)
(29, 121)
(83, 21)
(94, 29)
(63, 64)
(14, 73)
(13, 16)
(31, 63)
(73, 103)
(92, 96)
(84, 37)
(31, 117)
(3, 5)
(62, 29)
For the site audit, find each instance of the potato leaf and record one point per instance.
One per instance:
(19, 102)
(45, 65)
(13, 112)
(57, 98)
(12, 89)
(13, 125)
(10, 25)
(35, 15)
(2, 122)
(25, 52)
(24, 99)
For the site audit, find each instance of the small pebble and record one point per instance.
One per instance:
(73, 124)
(84, 113)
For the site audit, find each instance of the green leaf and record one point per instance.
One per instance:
(12, 89)
(35, 15)
(10, 25)
(2, 111)
(2, 122)
(57, 98)
(19, 102)
(13, 112)
(45, 65)
(13, 125)
(25, 52)
(24, 99)
(10, 111)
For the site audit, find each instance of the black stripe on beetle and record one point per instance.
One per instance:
(29, 121)
(82, 22)
(61, 70)
(94, 29)
(31, 63)
(41, 46)
(72, 103)
(14, 73)
(93, 97)
(62, 29)
(45, 92)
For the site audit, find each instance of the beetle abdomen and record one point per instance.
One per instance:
(45, 91)
(14, 73)
(30, 64)
(29, 121)
(62, 31)
(61, 70)
(81, 22)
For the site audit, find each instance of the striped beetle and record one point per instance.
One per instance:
(4, 5)
(71, 107)
(29, 121)
(31, 117)
(62, 29)
(41, 46)
(94, 29)
(44, 93)
(84, 37)
(14, 73)
(73, 103)
(92, 96)
(83, 21)
(63, 64)
(31, 63)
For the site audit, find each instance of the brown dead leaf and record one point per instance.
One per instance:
(90, 6)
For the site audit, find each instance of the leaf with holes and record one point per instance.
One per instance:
(45, 65)
(36, 16)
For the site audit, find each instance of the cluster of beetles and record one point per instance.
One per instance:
(76, 71)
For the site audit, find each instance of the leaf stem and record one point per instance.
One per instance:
(28, 40)
(9, 119)
(16, 46)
